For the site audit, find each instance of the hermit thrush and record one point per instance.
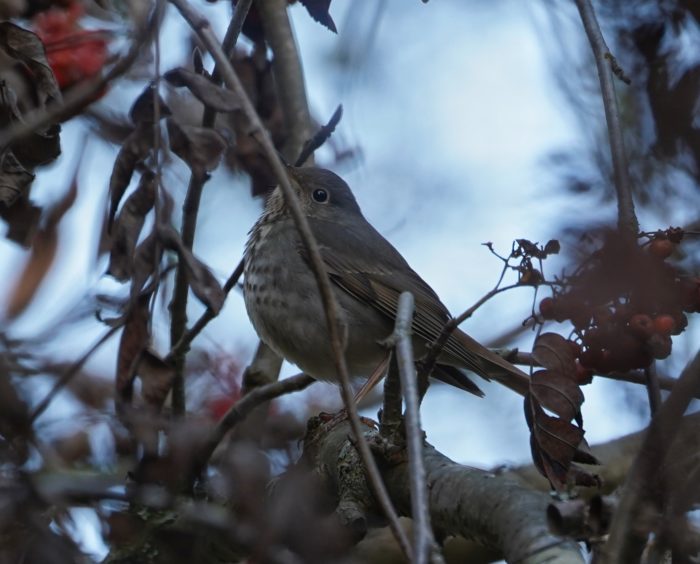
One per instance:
(367, 273)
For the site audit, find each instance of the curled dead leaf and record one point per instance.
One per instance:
(134, 150)
(211, 95)
(128, 227)
(199, 147)
(201, 280)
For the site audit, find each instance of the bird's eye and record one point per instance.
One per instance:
(319, 195)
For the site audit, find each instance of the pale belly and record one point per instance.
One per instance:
(284, 306)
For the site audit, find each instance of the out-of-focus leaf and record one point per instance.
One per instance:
(134, 150)
(133, 342)
(157, 378)
(201, 280)
(211, 95)
(15, 421)
(14, 180)
(28, 48)
(199, 147)
(128, 227)
(143, 108)
(319, 11)
(42, 255)
(22, 219)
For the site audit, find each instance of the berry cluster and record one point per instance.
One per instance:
(72, 52)
(625, 303)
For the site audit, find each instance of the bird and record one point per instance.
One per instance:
(367, 275)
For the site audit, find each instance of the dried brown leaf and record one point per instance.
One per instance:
(199, 147)
(143, 110)
(28, 48)
(554, 352)
(557, 393)
(146, 260)
(134, 150)
(319, 11)
(555, 445)
(211, 95)
(128, 227)
(201, 280)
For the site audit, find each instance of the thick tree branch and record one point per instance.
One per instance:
(289, 74)
(494, 510)
(626, 217)
(203, 30)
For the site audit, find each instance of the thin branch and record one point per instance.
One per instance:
(626, 217)
(190, 211)
(636, 377)
(203, 30)
(289, 75)
(183, 344)
(626, 540)
(653, 388)
(424, 547)
(392, 403)
(70, 373)
(240, 410)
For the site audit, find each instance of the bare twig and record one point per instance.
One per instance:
(653, 388)
(289, 76)
(203, 30)
(240, 410)
(184, 343)
(70, 373)
(190, 211)
(424, 547)
(626, 217)
(626, 540)
(392, 404)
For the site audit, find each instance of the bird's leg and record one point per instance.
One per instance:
(330, 419)
(373, 380)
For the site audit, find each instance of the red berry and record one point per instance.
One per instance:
(661, 248)
(641, 325)
(664, 324)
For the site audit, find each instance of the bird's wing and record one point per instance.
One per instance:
(369, 268)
